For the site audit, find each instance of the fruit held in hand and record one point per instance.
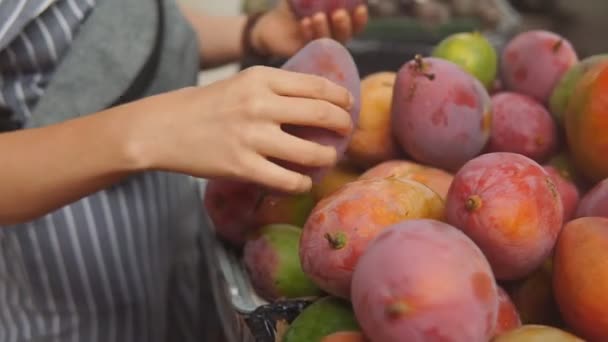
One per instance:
(307, 8)
(509, 206)
(341, 226)
(586, 123)
(423, 280)
(327, 58)
(537, 333)
(436, 179)
(321, 318)
(508, 317)
(595, 202)
(520, 124)
(533, 63)
(273, 264)
(472, 52)
(580, 277)
(441, 114)
(563, 91)
(372, 141)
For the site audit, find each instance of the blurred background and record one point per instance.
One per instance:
(400, 28)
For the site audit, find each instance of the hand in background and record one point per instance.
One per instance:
(281, 34)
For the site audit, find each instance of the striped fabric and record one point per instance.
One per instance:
(119, 265)
(34, 35)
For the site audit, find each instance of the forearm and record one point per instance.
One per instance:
(46, 168)
(219, 37)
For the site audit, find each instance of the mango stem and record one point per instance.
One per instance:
(473, 203)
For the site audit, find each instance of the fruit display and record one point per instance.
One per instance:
(537, 333)
(459, 210)
(510, 207)
(436, 179)
(441, 114)
(273, 264)
(473, 52)
(534, 62)
(586, 123)
(508, 317)
(324, 317)
(595, 202)
(580, 276)
(447, 289)
(373, 141)
(537, 139)
(563, 90)
(342, 225)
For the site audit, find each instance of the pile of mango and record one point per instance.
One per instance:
(470, 203)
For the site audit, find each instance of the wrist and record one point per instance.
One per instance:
(252, 38)
(132, 141)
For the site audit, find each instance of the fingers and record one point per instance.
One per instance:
(306, 29)
(274, 176)
(342, 25)
(360, 18)
(311, 113)
(280, 145)
(293, 84)
(320, 26)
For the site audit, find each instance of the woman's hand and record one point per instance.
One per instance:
(279, 33)
(230, 128)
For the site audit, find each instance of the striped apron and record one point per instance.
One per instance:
(126, 263)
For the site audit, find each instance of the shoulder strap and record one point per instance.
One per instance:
(105, 63)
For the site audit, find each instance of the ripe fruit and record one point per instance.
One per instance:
(537, 333)
(536, 139)
(273, 264)
(372, 141)
(436, 179)
(580, 276)
(424, 280)
(335, 178)
(533, 62)
(472, 52)
(284, 208)
(307, 8)
(595, 202)
(345, 336)
(508, 317)
(237, 209)
(568, 191)
(321, 318)
(441, 114)
(563, 91)
(534, 298)
(327, 58)
(586, 123)
(231, 207)
(341, 226)
(510, 207)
